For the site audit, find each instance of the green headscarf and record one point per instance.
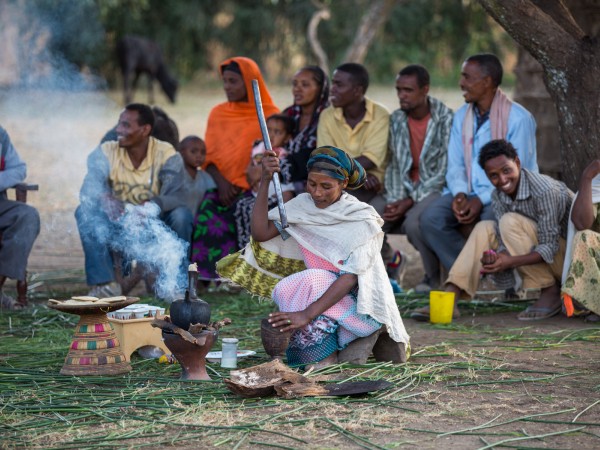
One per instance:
(337, 164)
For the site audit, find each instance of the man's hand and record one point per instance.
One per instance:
(489, 257)
(372, 183)
(496, 262)
(113, 207)
(395, 211)
(466, 210)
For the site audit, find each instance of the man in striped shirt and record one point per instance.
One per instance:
(528, 234)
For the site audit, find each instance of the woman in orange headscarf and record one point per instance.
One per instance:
(231, 130)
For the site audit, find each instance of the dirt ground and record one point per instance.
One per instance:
(548, 370)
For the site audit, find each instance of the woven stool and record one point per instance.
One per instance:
(95, 349)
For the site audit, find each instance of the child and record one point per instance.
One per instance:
(197, 181)
(279, 127)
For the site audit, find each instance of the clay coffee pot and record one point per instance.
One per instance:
(190, 309)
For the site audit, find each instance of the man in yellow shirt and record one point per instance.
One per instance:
(359, 126)
(136, 174)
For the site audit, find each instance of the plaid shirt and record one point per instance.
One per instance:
(432, 162)
(542, 199)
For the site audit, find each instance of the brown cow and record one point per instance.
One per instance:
(139, 55)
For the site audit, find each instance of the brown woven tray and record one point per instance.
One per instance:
(91, 308)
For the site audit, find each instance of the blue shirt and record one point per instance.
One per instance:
(12, 168)
(521, 134)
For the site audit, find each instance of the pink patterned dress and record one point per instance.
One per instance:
(335, 328)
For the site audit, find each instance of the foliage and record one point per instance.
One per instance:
(196, 34)
(76, 31)
(439, 35)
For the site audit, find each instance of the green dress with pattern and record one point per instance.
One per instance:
(583, 278)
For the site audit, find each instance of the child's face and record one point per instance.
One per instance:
(277, 133)
(193, 153)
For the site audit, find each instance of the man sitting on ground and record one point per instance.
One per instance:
(529, 233)
(134, 170)
(415, 175)
(19, 223)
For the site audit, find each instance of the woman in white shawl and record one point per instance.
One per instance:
(325, 271)
(581, 273)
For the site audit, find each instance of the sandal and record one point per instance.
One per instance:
(592, 318)
(7, 302)
(543, 312)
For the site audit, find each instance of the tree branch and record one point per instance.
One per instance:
(370, 24)
(534, 28)
(561, 15)
(322, 13)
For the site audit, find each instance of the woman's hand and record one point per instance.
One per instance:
(590, 172)
(253, 175)
(288, 321)
(228, 192)
(270, 165)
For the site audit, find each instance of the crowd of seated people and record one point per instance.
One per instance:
(463, 187)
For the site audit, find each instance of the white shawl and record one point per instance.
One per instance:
(347, 234)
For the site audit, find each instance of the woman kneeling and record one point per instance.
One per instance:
(325, 271)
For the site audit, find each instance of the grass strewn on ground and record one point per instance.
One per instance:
(460, 391)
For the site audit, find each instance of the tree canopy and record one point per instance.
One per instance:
(196, 34)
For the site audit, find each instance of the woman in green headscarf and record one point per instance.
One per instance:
(324, 271)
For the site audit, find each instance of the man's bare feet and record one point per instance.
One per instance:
(548, 305)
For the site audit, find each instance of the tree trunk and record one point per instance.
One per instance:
(531, 92)
(571, 68)
(370, 24)
(322, 13)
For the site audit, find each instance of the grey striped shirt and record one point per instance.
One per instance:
(542, 199)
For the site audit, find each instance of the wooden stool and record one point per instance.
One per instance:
(136, 333)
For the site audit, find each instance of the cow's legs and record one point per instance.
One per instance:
(127, 86)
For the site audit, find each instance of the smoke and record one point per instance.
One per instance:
(56, 112)
(145, 238)
(139, 235)
(50, 44)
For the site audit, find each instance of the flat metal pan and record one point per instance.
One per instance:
(356, 387)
